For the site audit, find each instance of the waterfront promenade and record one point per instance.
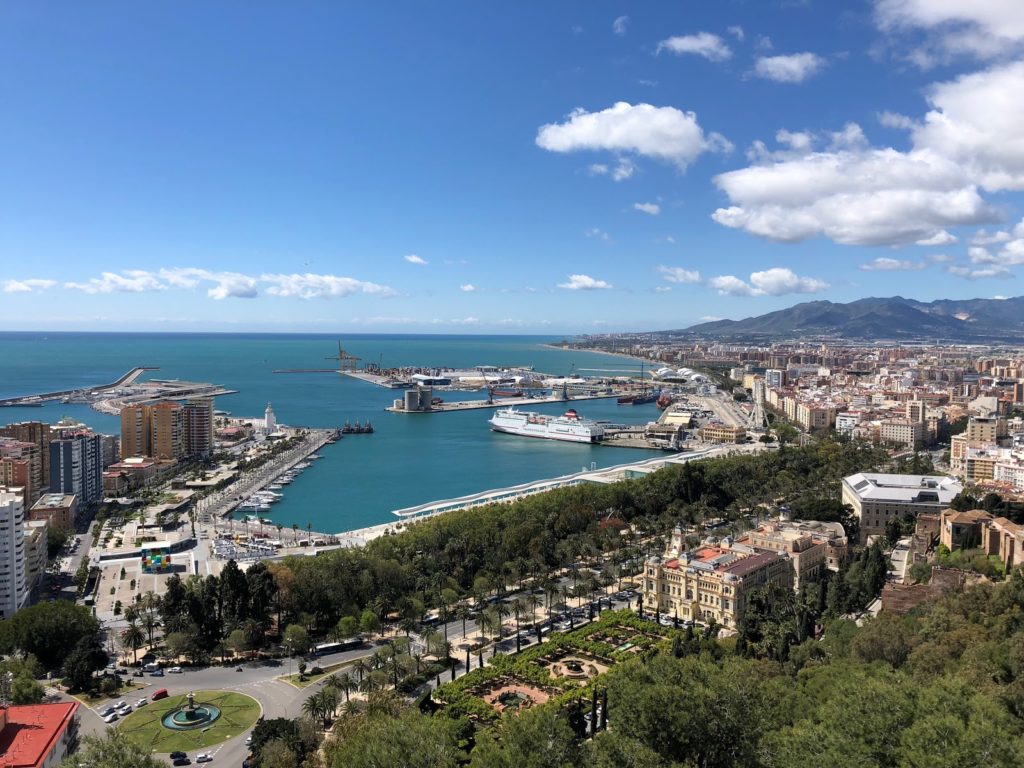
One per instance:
(224, 501)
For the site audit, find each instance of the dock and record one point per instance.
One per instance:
(30, 400)
(388, 382)
(593, 475)
(505, 402)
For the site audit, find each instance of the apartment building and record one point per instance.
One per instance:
(902, 433)
(168, 438)
(12, 551)
(21, 465)
(38, 735)
(136, 431)
(721, 433)
(197, 424)
(37, 433)
(57, 509)
(76, 467)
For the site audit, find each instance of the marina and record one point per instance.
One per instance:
(470, 405)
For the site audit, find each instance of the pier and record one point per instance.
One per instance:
(505, 402)
(610, 475)
(126, 380)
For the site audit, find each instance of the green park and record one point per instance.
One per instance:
(172, 724)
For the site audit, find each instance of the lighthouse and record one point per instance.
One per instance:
(269, 421)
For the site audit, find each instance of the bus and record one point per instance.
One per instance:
(356, 641)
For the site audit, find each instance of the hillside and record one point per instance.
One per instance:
(883, 318)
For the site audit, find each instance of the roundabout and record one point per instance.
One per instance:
(191, 721)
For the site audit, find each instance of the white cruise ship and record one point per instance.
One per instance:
(569, 427)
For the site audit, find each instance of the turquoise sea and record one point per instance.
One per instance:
(411, 459)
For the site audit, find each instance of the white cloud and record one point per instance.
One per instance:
(412, 258)
(791, 68)
(737, 32)
(778, 281)
(619, 26)
(798, 141)
(895, 120)
(942, 237)
(977, 120)
(652, 209)
(598, 234)
(662, 133)
(710, 318)
(940, 258)
(584, 283)
(127, 281)
(705, 44)
(679, 275)
(885, 264)
(597, 169)
(864, 197)
(981, 28)
(227, 285)
(467, 288)
(982, 273)
(662, 288)
(27, 286)
(623, 169)
(984, 237)
(312, 286)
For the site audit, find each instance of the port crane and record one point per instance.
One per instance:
(346, 361)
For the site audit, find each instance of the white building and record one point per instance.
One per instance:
(878, 498)
(12, 551)
(269, 420)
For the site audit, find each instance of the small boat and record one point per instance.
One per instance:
(664, 401)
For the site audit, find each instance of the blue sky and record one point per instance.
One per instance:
(471, 167)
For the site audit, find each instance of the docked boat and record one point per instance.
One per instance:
(626, 400)
(664, 401)
(570, 427)
(645, 398)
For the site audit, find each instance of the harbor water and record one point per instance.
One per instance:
(410, 459)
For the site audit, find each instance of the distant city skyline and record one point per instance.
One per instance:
(566, 168)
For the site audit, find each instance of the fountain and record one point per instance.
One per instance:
(191, 715)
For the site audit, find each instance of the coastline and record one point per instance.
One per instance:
(600, 352)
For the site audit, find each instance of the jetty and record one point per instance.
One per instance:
(593, 475)
(30, 400)
(504, 402)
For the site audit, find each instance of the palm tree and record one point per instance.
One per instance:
(376, 660)
(314, 707)
(329, 701)
(351, 708)
(133, 636)
(360, 667)
(463, 613)
(343, 683)
(295, 534)
(369, 684)
(518, 607)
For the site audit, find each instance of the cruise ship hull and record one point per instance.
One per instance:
(569, 428)
(569, 438)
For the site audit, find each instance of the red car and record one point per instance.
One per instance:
(160, 694)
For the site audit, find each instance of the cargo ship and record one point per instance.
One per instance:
(570, 427)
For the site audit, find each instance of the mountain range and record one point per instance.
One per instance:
(882, 318)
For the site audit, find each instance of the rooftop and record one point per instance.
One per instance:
(31, 731)
(48, 500)
(903, 488)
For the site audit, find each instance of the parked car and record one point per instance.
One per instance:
(181, 761)
(204, 757)
(175, 670)
(176, 755)
(157, 673)
(107, 711)
(141, 702)
(110, 718)
(125, 710)
(159, 694)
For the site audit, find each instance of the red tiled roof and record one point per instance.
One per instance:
(31, 733)
(749, 564)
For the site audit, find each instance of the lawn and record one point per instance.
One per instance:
(237, 714)
(311, 678)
